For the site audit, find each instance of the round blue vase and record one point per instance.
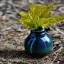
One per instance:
(38, 43)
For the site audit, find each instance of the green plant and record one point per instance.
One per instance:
(39, 16)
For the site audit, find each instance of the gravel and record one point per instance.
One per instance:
(12, 34)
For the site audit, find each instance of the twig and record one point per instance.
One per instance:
(55, 58)
(59, 50)
(58, 30)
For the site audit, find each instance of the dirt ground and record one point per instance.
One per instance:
(12, 34)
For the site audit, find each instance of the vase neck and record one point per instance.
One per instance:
(39, 31)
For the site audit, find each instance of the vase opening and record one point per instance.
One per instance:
(39, 30)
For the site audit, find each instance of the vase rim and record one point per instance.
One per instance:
(38, 30)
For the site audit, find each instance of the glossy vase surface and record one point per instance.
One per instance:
(38, 43)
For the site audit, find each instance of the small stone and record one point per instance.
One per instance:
(61, 9)
(40, 2)
(58, 42)
(12, 34)
(1, 13)
(4, 17)
(8, 63)
(32, 1)
(1, 4)
(10, 1)
(56, 35)
(8, 28)
(57, 1)
(58, 62)
(9, 12)
(1, 62)
(19, 29)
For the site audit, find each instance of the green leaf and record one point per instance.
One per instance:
(39, 16)
(51, 21)
(47, 12)
(22, 14)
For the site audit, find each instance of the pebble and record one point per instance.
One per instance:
(58, 42)
(1, 4)
(4, 17)
(8, 28)
(1, 62)
(8, 63)
(58, 62)
(57, 1)
(19, 29)
(41, 2)
(32, 1)
(61, 9)
(1, 13)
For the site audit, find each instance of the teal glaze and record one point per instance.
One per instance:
(38, 43)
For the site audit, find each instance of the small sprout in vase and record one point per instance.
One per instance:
(39, 16)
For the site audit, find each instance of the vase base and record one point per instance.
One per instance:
(37, 55)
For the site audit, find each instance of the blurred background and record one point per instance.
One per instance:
(12, 34)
